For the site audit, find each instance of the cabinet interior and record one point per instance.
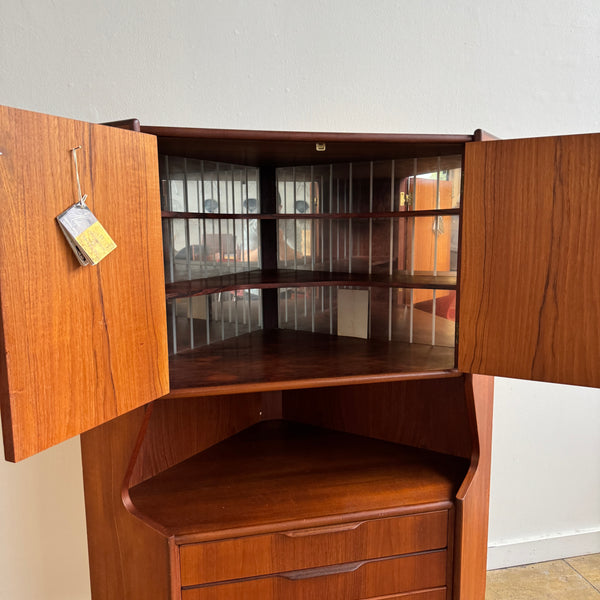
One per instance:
(261, 258)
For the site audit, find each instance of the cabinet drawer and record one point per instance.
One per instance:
(350, 581)
(307, 548)
(440, 593)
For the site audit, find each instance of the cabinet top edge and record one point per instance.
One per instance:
(304, 136)
(482, 137)
(280, 149)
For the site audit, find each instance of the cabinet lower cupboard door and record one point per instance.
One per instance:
(350, 581)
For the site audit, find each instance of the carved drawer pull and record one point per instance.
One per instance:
(322, 571)
(323, 530)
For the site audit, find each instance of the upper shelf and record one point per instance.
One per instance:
(404, 214)
(284, 278)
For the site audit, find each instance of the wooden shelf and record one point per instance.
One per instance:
(279, 359)
(278, 474)
(404, 214)
(284, 278)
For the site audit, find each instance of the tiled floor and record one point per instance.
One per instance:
(569, 579)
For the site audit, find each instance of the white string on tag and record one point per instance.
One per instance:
(85, 234)
(82, 198)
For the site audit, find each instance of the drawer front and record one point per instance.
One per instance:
(351, 581)
(437, 594)
(307, 548)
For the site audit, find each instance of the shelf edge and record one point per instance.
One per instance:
(271, 386)
(366, 515)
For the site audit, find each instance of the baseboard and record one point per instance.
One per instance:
(525, 552)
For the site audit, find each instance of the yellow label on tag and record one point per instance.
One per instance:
(96, 242)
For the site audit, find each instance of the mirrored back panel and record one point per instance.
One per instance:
(363, 249)
(208, 227)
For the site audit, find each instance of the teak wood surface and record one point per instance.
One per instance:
(453, 416)
(128, 559)
(354, 581)
(179, 428)
(529, 293)
(253, 556)
(399, 214)
(367, 517)
(279, 475)
(143, 446)
(284, 359)
(440, 593)
(284, 148)
(423, 413)
(171, 487)
(80, 345)
(472, 499)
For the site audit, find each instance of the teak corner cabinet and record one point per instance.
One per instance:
(282, 376)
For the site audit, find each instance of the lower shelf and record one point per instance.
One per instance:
(280, 475)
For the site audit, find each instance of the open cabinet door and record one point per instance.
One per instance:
(529, 285)
(79, 345)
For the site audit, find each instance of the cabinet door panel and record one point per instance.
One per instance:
(529, 291)
(80, 345)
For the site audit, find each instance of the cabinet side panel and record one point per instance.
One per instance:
(472, 499)
(530, 300)
(128, 559)
(80, 345)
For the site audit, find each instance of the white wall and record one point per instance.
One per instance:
(545, 494)
(514, 68)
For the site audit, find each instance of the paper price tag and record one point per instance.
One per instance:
(86, 236)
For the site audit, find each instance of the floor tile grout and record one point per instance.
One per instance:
(581, 575)
(521, 582)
